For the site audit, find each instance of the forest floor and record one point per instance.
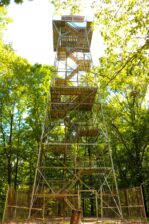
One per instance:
(86, 221)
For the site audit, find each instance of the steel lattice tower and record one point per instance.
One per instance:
(74, 168)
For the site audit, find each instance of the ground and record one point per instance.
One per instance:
(85, 221)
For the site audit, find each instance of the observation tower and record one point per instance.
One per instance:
(74, 171)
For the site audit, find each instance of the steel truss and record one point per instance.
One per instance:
(74, 168)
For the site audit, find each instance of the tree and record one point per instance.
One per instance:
(23, 92)
(4, 20)
(7, 2)
(23, 98)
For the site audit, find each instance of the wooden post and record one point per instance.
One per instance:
(96, 195)
(16, 200)
(79, 197)
(143, 204)
(127, 203)
(6, 202)
(43, 208)
(101, 202)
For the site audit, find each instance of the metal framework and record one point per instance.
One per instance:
(74, 170)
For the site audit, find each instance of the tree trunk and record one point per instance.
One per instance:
(9, 169)
(9, 150)
(16, 174)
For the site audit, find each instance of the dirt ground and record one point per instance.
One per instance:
(85, 221)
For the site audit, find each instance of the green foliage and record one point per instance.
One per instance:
(74, 7)
(23, 97)
(4, 20)
(7, 2)
(23, 92)
(124, 88)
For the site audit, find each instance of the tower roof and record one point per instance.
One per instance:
(74, 27)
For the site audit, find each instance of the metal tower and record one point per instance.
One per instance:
(74, 168)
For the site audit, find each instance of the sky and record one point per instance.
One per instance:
(30, 33)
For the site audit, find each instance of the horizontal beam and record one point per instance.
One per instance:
(55, 195)
(77, 168)
(23, 207)
(68, 143)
